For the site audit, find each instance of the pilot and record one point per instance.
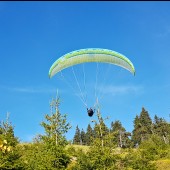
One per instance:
(90, 112)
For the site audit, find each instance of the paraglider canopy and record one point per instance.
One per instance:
(91, 55)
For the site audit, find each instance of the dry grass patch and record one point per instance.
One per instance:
(163, 164)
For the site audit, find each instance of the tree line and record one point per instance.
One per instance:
(144, 128)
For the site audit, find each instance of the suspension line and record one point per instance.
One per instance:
(101, 95)
(82, 97)
(84, 76)
(69, 84)
(95, 90)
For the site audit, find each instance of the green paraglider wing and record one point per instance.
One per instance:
(91, 55)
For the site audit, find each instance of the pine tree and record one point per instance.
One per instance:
(9, 154)
(120, 136)
(83, 137)
(49, 152)
(142, 127)
(161, 128)
(77, 136)
(89, 135)
(100, 129)
(56, 125)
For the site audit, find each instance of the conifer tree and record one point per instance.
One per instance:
(89, 135)
(77, 136)
(142, 127)
(83, 137)
(162, 128)
(100, 128)
(56, 125)
(48, 152)
(9, 154)
(120, 136)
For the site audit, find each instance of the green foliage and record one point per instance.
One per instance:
(120, 136)
(89, 135)
(100, 129)
(142, 127)
(96, 159)
(162, 128)
(56, 125)
(77, 136)
(136, 159)
(48, 151)
(9, 153)
(103, 154)
(83, 137)
(154, 148)
(7, 132)
(41, 156)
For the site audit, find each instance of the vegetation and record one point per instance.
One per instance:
(96, 148)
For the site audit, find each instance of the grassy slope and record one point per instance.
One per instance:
(83, 147)
(163, 164)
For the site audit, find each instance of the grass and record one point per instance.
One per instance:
(84, 148)
(163, 164)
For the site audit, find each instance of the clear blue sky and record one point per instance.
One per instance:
(34, 34)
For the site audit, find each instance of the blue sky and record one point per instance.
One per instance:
(34, 34)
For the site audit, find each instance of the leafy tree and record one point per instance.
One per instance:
(142, 127)
(77, 136)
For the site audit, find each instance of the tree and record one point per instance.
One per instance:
(77, 136)
(142, 127)
(83, 137)
(100, 129)
(137, 159)
(154, 148)
(9, 153)
(120, 136)
(89, 135)
(48, 150)
(161, 128)
(56, 125)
